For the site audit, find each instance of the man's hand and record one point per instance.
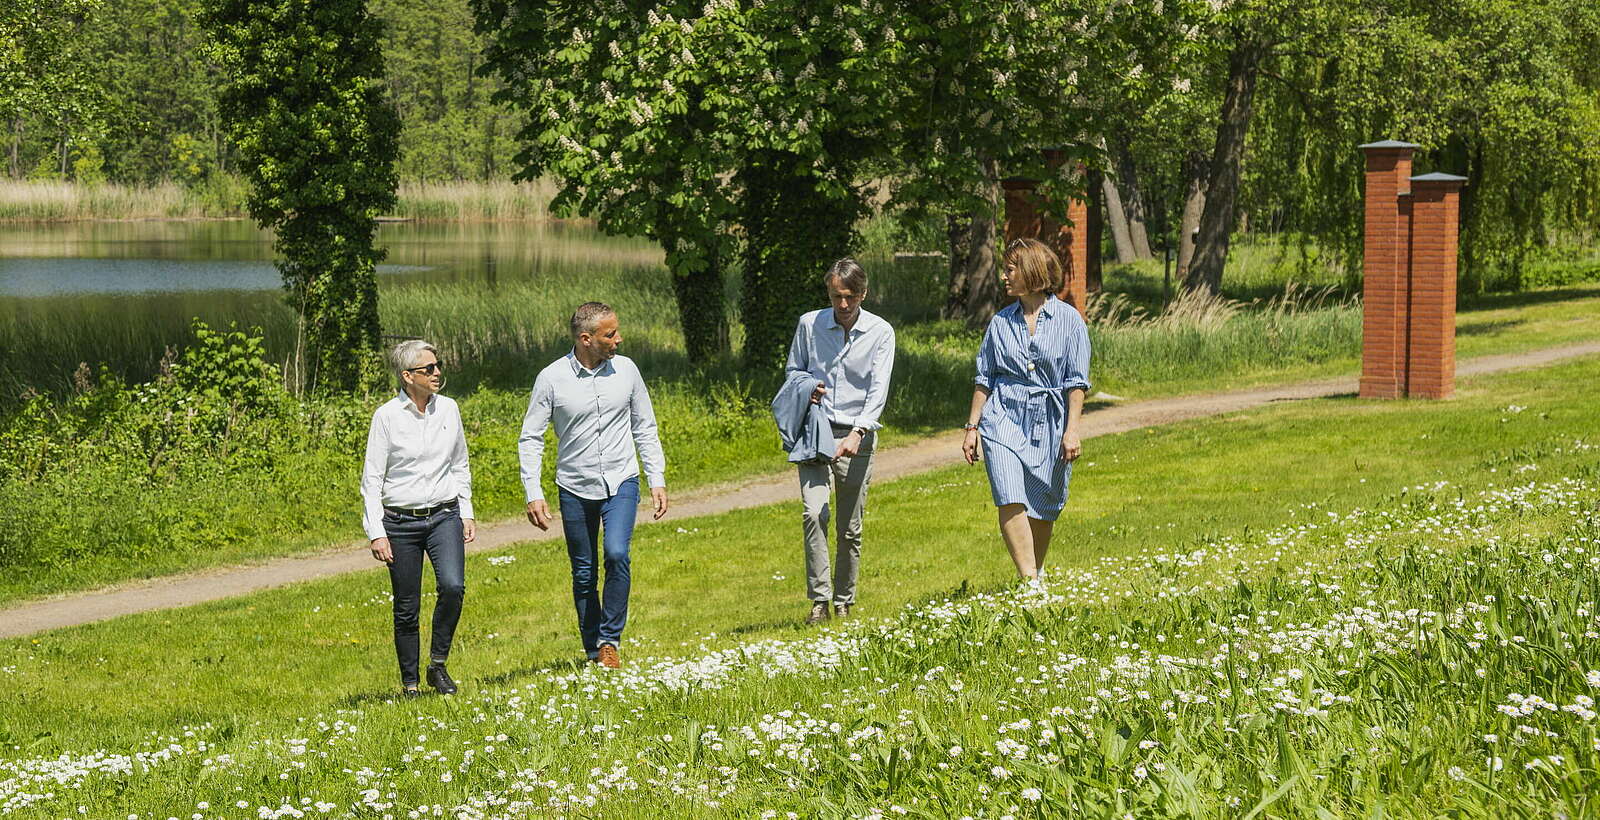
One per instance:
(817, 394)
(382, 551)
(969, 447)
(658, 495)
(1071, 448)
(849, 446)
(539, 514)
(469, 530)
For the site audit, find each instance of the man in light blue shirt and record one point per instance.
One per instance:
(851, 351)
(601, 411)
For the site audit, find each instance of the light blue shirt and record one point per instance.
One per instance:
(1028, 378)
(601, 416)
(854, 365)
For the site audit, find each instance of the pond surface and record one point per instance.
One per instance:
(59, 259)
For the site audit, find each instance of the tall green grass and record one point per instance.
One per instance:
(225, 196)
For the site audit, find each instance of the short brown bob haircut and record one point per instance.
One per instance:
(1038, 269)
(849, 274)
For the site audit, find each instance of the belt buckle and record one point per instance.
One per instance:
(421, 512)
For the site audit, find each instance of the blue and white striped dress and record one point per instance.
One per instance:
(1022, 423)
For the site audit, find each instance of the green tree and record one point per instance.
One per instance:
(46, 78)
(304, 101)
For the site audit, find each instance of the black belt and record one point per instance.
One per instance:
(423, 512)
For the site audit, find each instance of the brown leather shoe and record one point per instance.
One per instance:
(609, 657)
(841, 610)
(819, 613)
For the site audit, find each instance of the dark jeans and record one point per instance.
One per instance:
(439, 535)
(600, 616)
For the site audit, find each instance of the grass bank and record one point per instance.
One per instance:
(224, 197)
(1319, 608)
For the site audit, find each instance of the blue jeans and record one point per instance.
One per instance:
(601, 616)
(439, 536)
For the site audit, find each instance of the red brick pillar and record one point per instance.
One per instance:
(1431, 343)
(1384, 270)
(1025, 216)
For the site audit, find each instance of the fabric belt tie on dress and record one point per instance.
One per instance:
(1044, 420)
(423, 512)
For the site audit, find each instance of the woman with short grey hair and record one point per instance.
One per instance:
(416, 489)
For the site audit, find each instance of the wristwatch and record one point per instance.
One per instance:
(969, 426)
(860, 431)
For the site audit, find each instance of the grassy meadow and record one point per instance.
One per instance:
(1321, 608)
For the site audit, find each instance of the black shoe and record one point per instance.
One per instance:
(439, 679)
(410, 690)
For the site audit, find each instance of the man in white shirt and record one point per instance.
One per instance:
(852, 352)
(601, 411)
(416, 492)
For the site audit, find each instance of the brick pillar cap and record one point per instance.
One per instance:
(1381, 144)
(1438, 177)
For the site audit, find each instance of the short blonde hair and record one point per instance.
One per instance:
(1038, 269)
(404, 356)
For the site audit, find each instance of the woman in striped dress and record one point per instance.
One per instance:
(1033, 372)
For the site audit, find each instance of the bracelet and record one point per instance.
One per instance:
(969, 426)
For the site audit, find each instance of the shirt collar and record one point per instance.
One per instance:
(863, 322)
(579, 370)
(1047, 309)
(411, 407)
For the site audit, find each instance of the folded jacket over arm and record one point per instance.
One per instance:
(803, 426)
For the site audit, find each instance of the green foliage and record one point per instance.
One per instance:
(305, 104)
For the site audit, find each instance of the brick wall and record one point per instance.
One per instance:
(1025, 216)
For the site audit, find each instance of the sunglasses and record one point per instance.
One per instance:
(430, 368)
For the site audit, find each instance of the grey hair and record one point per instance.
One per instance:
(587, 317)
(405, 355)
(848, 271)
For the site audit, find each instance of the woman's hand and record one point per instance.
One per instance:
(969, 447)
(382, 551)
(1071, 448)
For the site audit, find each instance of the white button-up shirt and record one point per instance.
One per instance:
(853, 365)
(414, 460)
(601, 416)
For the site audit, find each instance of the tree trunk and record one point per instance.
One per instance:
(1133, 204)
(1094, 233)
(1227, 158)
(1118, 217)
(974, 292)
(16, 148)
(1194, 204)
(793, 233)
(702, 310)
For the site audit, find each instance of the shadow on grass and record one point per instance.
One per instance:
(1485, 328)
(1496, 301)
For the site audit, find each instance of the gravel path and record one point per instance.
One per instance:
(893, 463)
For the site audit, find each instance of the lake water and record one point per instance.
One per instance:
(122, 293)
(173, 257)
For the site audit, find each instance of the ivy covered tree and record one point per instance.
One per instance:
(709, 127)
(304, 102)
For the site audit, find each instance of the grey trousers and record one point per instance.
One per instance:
(849, 477)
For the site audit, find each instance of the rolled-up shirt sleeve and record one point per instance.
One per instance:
(645, 435)
(461, 469)
(373, 467)
(986, 359)
(530, 444)
(1075, 376)
(878, 386)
